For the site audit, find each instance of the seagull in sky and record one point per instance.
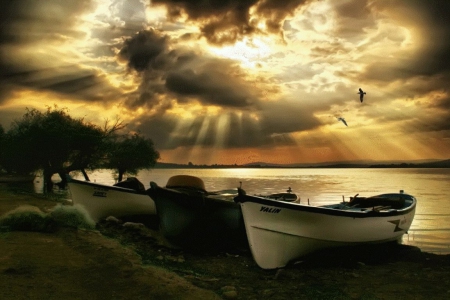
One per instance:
(361, 94)
(343, 120)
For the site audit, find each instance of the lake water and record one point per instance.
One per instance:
(430, 230)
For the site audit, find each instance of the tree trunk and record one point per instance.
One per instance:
(48, 183)
(63, 183)
(121, 172)
(86, 177)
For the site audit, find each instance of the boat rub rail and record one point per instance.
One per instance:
(381, 205)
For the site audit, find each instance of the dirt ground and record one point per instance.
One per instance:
(134, 262)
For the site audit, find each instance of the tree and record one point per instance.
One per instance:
(53, 142)
(131, 153)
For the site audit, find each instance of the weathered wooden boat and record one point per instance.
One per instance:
(124, 199)
(190, 216)
(287, 196)
(280, 232)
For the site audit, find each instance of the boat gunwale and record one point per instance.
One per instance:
(367, 213)
(188, 196)
(105, 186)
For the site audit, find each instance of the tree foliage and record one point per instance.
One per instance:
(55, 142)
(131, 153)
(52, 141)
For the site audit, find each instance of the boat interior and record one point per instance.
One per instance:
(131, 183)
(375, 203)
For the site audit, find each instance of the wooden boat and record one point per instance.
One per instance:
(190, 216)
(279, 232)
(287, 196)
(126, 198)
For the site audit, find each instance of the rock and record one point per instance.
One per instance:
(132, 225)
(179, 259)
(229, 292)
(112, 219)
(278, 273)
(268, 293)
(230, 295)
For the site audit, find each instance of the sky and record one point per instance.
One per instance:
(234, 82)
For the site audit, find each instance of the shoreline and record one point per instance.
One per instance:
(137, 263)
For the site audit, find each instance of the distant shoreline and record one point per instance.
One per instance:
(442, 164)
(434, 164)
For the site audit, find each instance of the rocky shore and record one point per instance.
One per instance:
(127, 260)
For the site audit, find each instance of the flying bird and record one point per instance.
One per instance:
(343, 120)
(361, 94)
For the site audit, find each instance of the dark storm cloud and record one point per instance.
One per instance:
(444, 104)
(86, 85)
(145, 51)
(439, 122)
(211, 86)
(286, 117)
(422, 71)
(353, 17)
(270, 126)
(30, 20)
(187, 76)
(183, 74)
(332, 48)
(275, 12)
(225, 20)
(436, 124)
(229, 20)
(24, 23)
(428, 21)
(239, 132)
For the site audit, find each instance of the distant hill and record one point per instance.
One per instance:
(426, 163)
(432, 164)
(437, 164)
(161, 165)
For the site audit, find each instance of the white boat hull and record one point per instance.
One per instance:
(101, 201)
(279, 233)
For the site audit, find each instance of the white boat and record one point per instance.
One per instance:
(126, 198)
(280, 232)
